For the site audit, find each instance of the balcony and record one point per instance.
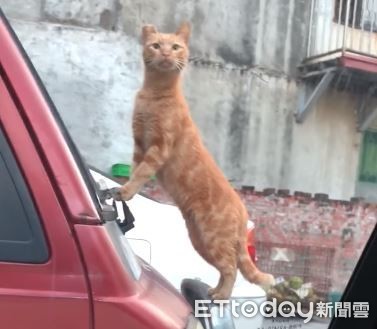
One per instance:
(339, 26)
(341, 52)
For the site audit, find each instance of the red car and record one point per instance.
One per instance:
(64, 260)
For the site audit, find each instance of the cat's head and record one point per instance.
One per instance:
(166, 51)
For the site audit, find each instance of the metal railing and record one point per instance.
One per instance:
(340, 25)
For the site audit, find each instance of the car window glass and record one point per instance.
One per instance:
(21, 236)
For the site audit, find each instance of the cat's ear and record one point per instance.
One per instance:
(146, 31)
(184, 31)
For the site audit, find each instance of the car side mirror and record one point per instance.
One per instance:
(117, 211)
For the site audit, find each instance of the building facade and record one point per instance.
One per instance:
(246, 83)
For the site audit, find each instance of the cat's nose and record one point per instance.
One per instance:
(165, 51)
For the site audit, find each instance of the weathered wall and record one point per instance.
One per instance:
(240, 85)
(249, 127)
(267, 33)
(91, 77)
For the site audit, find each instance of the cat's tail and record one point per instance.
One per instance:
(250, 271)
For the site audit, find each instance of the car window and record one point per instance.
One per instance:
(21, 235)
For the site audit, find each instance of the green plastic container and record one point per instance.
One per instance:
(121, 170)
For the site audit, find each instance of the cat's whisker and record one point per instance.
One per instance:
(179, 64)
(148, 60)
(180, 60)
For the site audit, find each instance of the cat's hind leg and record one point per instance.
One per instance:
(224, 259)
(223, 290)
(212, 291)
(218, 250)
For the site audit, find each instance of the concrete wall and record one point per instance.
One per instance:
(240, 85)
(249, 127)
(91, 78)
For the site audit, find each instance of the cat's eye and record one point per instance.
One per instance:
(176, 46)
(156, 45)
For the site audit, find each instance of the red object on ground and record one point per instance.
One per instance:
(251, 244)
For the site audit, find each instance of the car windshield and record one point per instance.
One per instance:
(284, 97)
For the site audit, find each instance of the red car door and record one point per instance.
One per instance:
(42, 277)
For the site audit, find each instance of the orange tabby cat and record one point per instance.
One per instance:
(167, 143)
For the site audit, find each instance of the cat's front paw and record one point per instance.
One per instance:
(127, 192)
(115, 193)
(218, 294)
(211, 291)
(124, 193)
